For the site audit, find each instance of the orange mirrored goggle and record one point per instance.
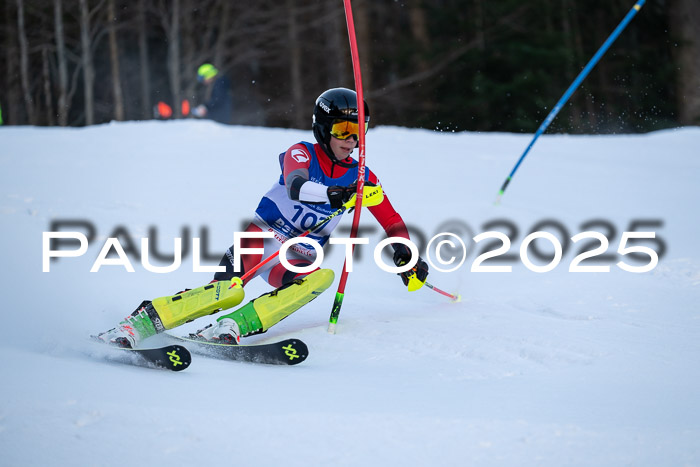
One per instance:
(343, 129)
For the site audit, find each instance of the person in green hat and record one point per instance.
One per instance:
(218, 104)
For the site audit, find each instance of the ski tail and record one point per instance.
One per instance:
(170, 357)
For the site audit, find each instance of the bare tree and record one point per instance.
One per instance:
(24, 63)
(421, 39)
(114, 61)
(170, 21)
(48, 95)
(12, 90)
(295, 66)
(174, 57)
(361, 19)
(685, 27)
(86, 59)
(278, 54)
(63, 104)
(222, 33)
(339, 71)
(197, 34)
(573, 42)
(439, 63)
(144, 62)
(419, 31)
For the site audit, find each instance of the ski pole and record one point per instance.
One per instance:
(576, 83)
(376, 196)
(454, 298)
(340, 294)
(320, 223)
(414, 284)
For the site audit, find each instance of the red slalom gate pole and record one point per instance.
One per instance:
(340, 294)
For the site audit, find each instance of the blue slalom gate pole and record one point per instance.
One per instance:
(576, 83)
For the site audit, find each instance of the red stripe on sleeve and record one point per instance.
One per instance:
(386, 215)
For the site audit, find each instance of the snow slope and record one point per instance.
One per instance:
(554, 368)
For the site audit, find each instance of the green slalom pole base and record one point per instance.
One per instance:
(335, 312)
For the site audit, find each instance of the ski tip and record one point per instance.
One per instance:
(295, 351)
(331, 328)
(179, 358)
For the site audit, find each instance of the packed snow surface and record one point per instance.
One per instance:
(530, 368)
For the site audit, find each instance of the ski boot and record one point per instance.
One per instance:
(225, 331)
(258, 315)
(153, 317)
(142, 323)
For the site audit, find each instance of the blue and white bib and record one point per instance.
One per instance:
(292, 218)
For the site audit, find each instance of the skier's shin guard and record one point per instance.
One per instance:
(184, 307)
(269, 309)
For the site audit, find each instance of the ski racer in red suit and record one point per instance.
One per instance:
(316, 180)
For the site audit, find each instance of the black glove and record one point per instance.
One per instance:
(339, 195)
(402, 256)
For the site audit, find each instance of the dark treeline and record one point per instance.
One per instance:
(451, 65)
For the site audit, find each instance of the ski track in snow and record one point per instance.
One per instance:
(556, 368)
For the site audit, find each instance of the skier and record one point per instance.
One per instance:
(218, 106)
(316, 180)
